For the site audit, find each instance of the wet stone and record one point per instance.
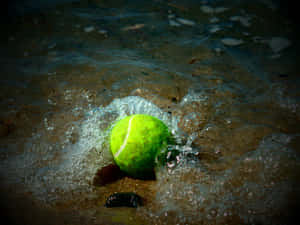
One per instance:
(125, 199)
(107, 174)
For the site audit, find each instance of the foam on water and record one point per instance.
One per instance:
(256, 187)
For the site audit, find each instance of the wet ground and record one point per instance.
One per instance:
(223, 75)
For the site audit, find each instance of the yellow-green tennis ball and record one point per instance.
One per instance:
(135, 142)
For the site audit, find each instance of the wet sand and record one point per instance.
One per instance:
(223, 76)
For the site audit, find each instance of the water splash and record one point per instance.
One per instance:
(51, 171)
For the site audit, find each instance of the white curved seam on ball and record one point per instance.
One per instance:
(126, 138)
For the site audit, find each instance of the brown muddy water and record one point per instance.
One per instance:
(223, 76)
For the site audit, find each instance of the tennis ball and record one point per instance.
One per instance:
(135, 141)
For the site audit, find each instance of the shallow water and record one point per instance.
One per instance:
(221, 74)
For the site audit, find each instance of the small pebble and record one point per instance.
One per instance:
(278, 44)
(232, 41)
(214, 20)
(244, 21)
(125, 199)
(173, 23)
(275, 56)
(218, 51)
(133, 27)
(220, 9)
(89, 29)
(186, 21)
(207, 9)
(171, 16)
(258, 39)
(102, 31)
(52, 46)
(214, 29)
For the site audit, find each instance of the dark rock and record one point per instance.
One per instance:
(283, 75)
(145, 73)
(125, 199)
(107, 174)
(174, 99)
